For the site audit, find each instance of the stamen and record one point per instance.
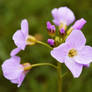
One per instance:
(72, 53)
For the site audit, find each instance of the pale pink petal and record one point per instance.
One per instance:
(84, 55)
(63, 15)
(24, 27)
(76, 39)
(19, 39)
(12, 68)
(60, 52)
(19, 80)
(54, 13)
(74, 67)
(15, 51)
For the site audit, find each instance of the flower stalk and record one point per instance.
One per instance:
(44, 64)
(42, 43)
(59, 71)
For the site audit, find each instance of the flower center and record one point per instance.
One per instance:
(31, 40)
(72, 53)
(27, 66)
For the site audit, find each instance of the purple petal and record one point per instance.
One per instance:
(12, 68)
(63, 15)
(79, 24)
(76, 39)
(15, 51)
(84, 55)
(19, 40)
(60, 52)
(74, 67)
(24, 27)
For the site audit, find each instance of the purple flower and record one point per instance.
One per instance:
(51, 42)
(79, 24)
(63, 15)
(74, 53)
(13, 70)
(20, 37)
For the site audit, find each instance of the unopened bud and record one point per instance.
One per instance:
(51, 29)
(58, 39)
(51, 42)
(62, 31)
(79, 24)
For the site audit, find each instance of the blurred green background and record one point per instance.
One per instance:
(41, 79)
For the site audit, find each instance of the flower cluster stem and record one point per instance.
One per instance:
(59, 71)
(42, 43)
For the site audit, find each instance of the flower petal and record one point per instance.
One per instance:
(15, 51)
(79, 24)
(74, 67)
(76, 39)
(19, 39)
(12, 68)
(63, 15)
(24, 27)
(19, 80)
(84, 55)
(60, 52)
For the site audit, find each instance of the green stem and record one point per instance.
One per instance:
(42, 43)
(44, 64)
(64, 75)
(59, 77)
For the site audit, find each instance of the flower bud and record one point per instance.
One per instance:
(51, 29)
(51, 42)
(62, 31)
(79, 24)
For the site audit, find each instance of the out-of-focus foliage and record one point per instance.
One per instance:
(41, 79)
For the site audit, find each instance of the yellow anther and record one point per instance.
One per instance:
(72, 53)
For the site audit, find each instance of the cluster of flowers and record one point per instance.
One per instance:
(72, 50)
(69, 46)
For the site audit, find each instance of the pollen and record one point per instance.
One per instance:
(72, 53)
